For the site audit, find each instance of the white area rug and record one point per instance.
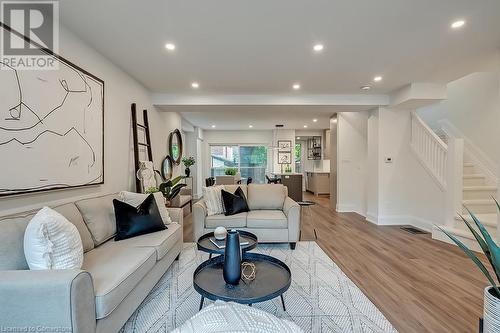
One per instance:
(321, 297)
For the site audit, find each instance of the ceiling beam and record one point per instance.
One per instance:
(310, 100)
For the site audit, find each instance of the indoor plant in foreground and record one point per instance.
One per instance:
(491, 314)
(188, 162)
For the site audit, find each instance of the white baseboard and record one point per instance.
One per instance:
(400, 220)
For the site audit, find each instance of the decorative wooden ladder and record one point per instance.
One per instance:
(137, 143)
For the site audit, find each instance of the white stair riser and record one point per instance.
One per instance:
(479, 194)
(491, 229)
(468, 169)
(481, 208)
(470, 243)
(474, 181)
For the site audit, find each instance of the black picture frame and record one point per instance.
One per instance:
(284, 145)
(83, 71)
(284, 157)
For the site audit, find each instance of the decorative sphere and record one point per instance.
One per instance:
(220, 233)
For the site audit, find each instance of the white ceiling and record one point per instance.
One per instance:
(261, 117)
(262, 46)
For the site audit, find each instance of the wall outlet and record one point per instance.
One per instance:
(388, 160)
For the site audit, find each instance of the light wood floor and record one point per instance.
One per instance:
(419, 284)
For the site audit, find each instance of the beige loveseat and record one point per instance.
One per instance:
(273, 217)
(114, 280)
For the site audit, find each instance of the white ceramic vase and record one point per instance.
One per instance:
(491, 314)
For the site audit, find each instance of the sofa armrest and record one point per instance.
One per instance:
(176, 214)
(58, 299)
(199, 215)
(292, 212)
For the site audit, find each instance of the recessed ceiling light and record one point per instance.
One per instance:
(318, 47)
(170, 46)
(305, 126)
(458, 24)
(298, 138)
(213, 126)
(315, 120)
(195, 85)
(365, 88)
(296, 86)
(377, 78)
(250, 126)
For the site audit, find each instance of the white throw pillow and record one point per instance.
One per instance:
(135, 199)
(52, 242)
(213, 199)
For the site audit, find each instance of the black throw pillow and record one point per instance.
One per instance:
(234, 203)
(134, 221)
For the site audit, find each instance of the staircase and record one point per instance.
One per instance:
(441, 152)
(477, 196)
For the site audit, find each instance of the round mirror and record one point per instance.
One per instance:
(167, 168)
(175, 146)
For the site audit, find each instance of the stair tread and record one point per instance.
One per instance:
(468, 164)
(478, 201)
(474, 175)
(490, 220)
(480, 188)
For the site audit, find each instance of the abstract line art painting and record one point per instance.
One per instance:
(51, 128)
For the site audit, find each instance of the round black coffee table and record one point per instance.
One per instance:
(205, 244)
(272, 279)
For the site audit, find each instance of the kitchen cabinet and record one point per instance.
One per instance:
(318, 182)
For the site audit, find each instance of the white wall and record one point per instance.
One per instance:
(351, 163)
(407, 194)
(120, 91)
(473, 107)
(400, 192)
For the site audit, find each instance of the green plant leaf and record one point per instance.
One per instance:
(472, 256)
(175, 190)
(176, 180)
(492, 246)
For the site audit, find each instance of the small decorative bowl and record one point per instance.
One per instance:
(220, 233)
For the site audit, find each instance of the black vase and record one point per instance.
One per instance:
(232, 258)
(188, 172)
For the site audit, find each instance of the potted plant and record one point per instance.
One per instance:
(230, 171)
(491, 314)
(169, 188)
(188, 162)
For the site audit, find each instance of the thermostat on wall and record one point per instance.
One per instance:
(388, 160)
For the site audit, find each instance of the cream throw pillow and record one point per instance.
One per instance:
(213, 199)
(52, 242)
(135, 199)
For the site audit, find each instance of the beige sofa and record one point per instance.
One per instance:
(273, 217)
(114, 280)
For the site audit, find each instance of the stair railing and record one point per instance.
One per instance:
(430, 150)
(443, 161)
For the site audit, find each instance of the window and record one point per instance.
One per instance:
(298, 157)
(250, 161)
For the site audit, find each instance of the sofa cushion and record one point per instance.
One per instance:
(267, 219)
(161, 241)
(11, 241)
(266, 196)
(99, 215)
(233, 188)
(72, 214)
(220, 220)
(116, 270)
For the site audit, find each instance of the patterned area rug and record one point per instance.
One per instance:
(320, 299)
